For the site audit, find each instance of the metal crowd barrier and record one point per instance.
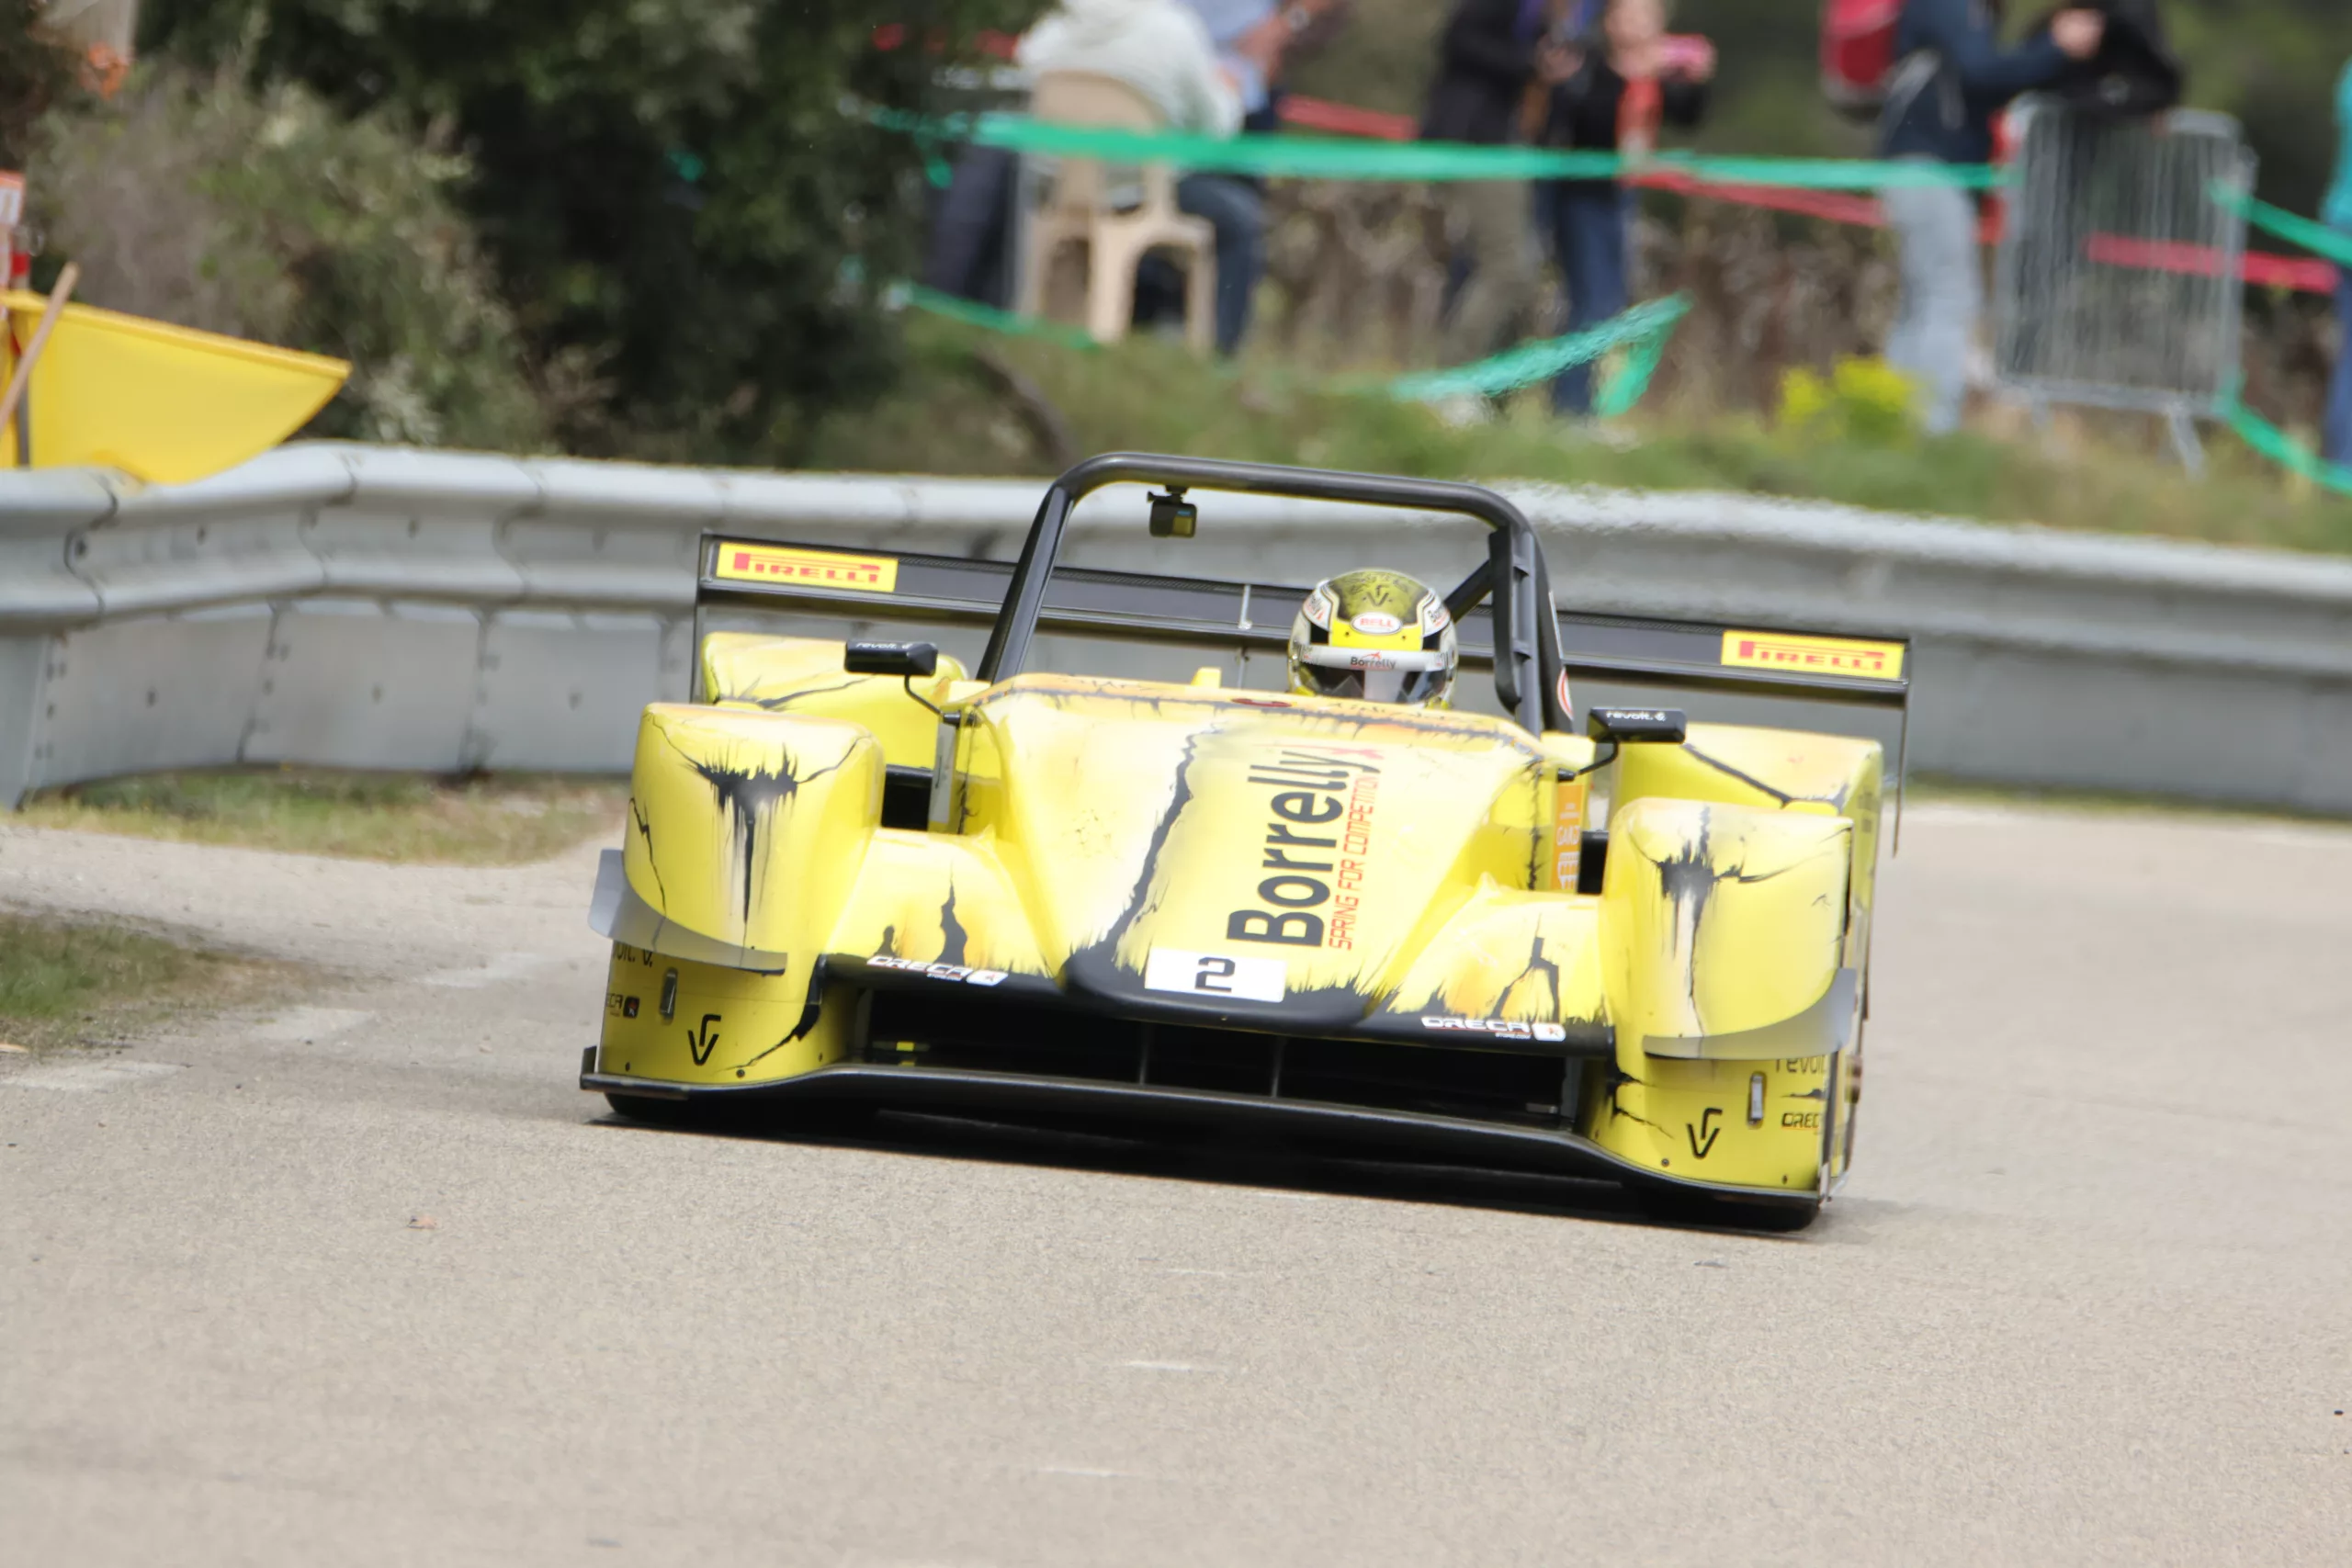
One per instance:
(2117, 285)
(369, 607)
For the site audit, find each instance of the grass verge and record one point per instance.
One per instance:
(981, 402)
(499, 819)
(65, 982)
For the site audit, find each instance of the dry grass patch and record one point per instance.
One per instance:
(70, 982)
(496, 819)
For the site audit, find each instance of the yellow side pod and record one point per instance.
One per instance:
(748, 829)
(164, 404)
(1723, 937)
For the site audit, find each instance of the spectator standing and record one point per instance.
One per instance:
(1488, 57)
(2338, 212)
(963, 253)
(1951, 77)
(1162, 50)
(1619, 90)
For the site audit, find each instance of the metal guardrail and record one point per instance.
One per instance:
(379, 608)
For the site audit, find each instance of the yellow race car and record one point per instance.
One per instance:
(856, 876)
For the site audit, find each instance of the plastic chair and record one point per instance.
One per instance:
(1078, 211)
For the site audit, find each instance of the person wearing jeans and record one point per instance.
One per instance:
(1942, 295)
(2338, 212)
(1591, 238)
(1952, 77)
(1619, 89)
(1254, 39)
(1237, 212)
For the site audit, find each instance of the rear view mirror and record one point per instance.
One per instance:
(907, 659)
(1636, 727)
(1173, 517)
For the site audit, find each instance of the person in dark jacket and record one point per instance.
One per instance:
(1488, 56)
(1951, 77)
(1626, 83)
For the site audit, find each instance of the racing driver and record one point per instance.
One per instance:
(1378, 636)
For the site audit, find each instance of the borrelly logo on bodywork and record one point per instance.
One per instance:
(1317, 835)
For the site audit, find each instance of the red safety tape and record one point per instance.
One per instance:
(2306, 273)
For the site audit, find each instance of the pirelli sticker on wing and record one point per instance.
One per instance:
(806, 568)
(1814, 655)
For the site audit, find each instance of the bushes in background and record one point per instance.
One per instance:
(266, 215)
(34, 75)
(688, 217)
(656, 227)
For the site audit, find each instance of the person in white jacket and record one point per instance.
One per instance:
(1162, 50)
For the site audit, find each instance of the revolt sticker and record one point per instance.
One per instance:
(1814, 655)
(1215, 974)
(809, 569)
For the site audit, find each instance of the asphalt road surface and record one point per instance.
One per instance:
(363, 1279)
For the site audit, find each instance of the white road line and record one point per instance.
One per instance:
(1171, 1367)
(87, 1077)
(304, 1025)
(504, 967)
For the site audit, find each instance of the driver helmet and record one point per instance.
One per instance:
(1378, 636)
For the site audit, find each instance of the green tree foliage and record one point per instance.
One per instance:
(34, 74)
(684, 192)
(267, 215)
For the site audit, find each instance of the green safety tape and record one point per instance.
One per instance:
(2320, 239)
(1644, 330)
(2281, 448)
(972, 313)
(1338, 158)
(1619, 392)
(2266, 438)
(1648, 326)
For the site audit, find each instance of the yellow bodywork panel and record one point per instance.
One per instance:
(940, 899)
(748, 828)
(802, 675)
(1691, 1119)
(1720, 919)
(1322, 834)
(1510, 954)
(163, 404)
(723, 1026)
(1773, 770)
(1719, 922)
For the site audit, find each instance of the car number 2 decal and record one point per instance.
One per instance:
(1215, 974)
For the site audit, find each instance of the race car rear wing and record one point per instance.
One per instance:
(883, 585)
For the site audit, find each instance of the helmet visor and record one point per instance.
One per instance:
(1405, 678)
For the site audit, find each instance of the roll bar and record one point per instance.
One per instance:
(1527, 639)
